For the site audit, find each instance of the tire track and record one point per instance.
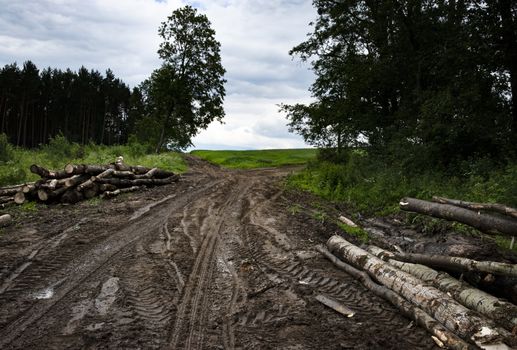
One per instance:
(192, 311)
(84, 266)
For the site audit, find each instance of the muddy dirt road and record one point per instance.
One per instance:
(219, 260)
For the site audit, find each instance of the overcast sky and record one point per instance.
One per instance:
(255, 37)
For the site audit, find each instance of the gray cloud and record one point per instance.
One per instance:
(255, 37)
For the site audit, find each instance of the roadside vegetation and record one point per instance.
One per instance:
(15, 161)
(259, 158)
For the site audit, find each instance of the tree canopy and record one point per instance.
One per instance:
(434, 78)
(186, 93)
(84, 106)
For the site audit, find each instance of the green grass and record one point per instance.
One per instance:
(257, 159)
(357, 232)
(60, 152)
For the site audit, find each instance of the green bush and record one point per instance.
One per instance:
(6, 149)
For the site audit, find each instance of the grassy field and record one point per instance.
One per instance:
(14, 167)
(257, 159)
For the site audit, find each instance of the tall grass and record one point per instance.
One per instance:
(14, 168)
(372, 186)
(257, 159)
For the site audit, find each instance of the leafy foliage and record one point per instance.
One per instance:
(437, 80)
(186, 93)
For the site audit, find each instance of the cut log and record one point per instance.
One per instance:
(45, 195)
(423, 319)
(71, 196)
(76, 180)
(447, 311)
(138, 182)
(9, 191)
(459, 264)
(90, 182)
(499, 208)
(45, 173)
(28, 188)
(19, 197)
(503, 312)
(4, 200)
(110, 194)
(5, 220)
(481, 221)
(334, 305)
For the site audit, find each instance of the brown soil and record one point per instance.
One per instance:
(220, 260)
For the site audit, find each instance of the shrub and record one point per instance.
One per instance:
(6, 149)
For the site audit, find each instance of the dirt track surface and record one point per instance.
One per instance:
(217, 261)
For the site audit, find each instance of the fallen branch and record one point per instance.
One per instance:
(423, 319)
(481, 221)
(437, 304)
(138, 182)
(499, 208)
(334, 305)
(501, 311)
(110, 194)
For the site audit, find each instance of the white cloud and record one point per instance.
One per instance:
(255, 37)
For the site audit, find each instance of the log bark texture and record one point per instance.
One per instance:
(45, 173)
(503, 312)
(5, 220)
(447, 311)
(451, 340)
(138, 182)
(481, 221)
(459, 264)
(499, 208)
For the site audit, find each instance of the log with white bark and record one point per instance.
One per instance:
(45, 195)
(76, 180)
(442, 334)
(93, 179)
(499, 208)
(484, 222)
(456, 317)
(4, 200)
(459, 264)
(10, 191)
(19, 197)
(501, 311)
(334, 305)
(5, 220)
(111, 194)
(138, 182)
(48, 174)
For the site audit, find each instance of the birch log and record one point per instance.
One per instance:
(447, 311)
(503, 312)
(451, 340)
(484, 222)
(459, 264)
(500, 208)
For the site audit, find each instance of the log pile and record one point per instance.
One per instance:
(77, 182)
(458, 315)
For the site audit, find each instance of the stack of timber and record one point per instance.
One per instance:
(458, 315)
(85, 181)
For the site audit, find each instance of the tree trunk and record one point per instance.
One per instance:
(406, 308)
(89, 183)
(504, 313)
(499, 208)
(71, 196)
(439, 305)
(483, 222)
(45, 173)
(459, 264)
